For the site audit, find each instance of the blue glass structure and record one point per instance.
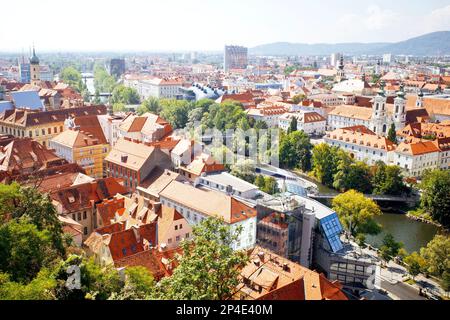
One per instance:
(332, 228)
(295, 188)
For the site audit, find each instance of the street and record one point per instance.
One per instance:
(401, 290)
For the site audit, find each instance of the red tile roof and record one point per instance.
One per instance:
(76, 198)
(107, 209)
(91, 125)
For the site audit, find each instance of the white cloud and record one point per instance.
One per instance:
(378, 18)
(438, 19)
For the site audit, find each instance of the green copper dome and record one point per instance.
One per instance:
(34, 59)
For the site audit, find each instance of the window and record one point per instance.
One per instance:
(124, 251)
(79, 216)
(180, 226)
(177, 238)
(187, 235)
(85, 231)
(176, 227)
(84, 215)
(169, 240)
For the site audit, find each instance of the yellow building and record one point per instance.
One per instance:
(82, 148)
(42, 126)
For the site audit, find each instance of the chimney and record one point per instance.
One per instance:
(261, 255)
(124, 158)
(285, 267)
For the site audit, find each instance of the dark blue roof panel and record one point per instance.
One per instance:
(26, 99)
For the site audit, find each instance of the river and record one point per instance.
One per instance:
(413, 234)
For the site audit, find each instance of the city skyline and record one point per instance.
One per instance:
(193, 26)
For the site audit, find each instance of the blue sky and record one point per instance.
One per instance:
(210, 24)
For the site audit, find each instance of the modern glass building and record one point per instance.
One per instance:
(25, 72)
(235, 57)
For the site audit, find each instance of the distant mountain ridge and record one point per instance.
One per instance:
(431, 44)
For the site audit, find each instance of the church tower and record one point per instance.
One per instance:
(35, 72)
(400, 108)
(340, 75)
(379, 115)
(419, 100)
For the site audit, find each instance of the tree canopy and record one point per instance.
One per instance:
(435, 198)
(125, 95)
(356, 212)
(295, 150)
(209, 268)
(103, 82)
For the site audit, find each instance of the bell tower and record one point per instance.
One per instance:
(35, 72)
(400, 108)
(419, 100)
(340, 75)
(379, 123)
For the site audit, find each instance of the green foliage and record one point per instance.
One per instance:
(324, 163)
(387, 179)
(298, 98)
(267, 184)
(209, 268)
(392, 134)
(356, 213)
(290, 69)
(97, 282)
(415, 263)
(435, 198)
(437, 255)
(17, 201)
(24, 249)
(224, 116)
(293, 125)
(445, 282)
(125, 95)
(40, 288)
(73, 78)
(361, 240)
(175, 112)
(259, 124)
(335, 168)
(390, 247)
(149, 105)
(295, 150)
(139, 280)
(119, 107)
(103, 82)
(351, 175)
(244, 169)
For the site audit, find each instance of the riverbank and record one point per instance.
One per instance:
(423, 220)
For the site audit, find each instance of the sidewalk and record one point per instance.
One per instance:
(394, 273)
